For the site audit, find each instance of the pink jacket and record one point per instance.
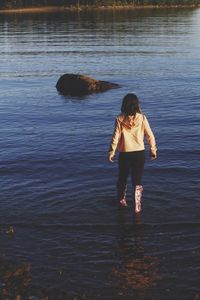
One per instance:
(129, 134)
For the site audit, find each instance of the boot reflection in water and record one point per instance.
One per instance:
(135, 268)
(130, 128)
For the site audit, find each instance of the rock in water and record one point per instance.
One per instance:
(78, 85)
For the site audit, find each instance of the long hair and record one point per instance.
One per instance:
(130, 105)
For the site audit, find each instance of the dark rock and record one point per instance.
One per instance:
(77, 85)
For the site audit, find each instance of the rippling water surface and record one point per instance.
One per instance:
(62, 234)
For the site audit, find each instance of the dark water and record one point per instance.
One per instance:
(62, 236)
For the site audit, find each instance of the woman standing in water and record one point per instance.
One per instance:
(130, 128)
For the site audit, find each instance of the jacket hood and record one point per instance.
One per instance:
(129, 121)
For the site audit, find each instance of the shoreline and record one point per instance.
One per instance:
(53, 9)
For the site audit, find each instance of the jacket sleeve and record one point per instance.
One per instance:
(115, 138)
(149, 136)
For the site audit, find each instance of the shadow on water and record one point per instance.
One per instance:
(67, 98)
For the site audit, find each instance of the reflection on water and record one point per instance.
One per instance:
(136, 270)
(15, 276)
(15, 279)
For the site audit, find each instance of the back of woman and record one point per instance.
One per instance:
(131, 126)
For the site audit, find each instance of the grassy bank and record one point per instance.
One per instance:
(53, 9)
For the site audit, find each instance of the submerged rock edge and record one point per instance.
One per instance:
(78, 85)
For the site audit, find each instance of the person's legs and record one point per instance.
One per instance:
(137, 168)
(124, 166)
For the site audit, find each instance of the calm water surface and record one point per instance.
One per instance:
(62, 235)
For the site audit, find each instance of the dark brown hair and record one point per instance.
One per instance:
(130, 105)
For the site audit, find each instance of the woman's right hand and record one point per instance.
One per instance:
(153, 155)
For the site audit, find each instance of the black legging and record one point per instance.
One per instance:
(130, 161)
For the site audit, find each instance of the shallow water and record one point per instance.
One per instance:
(59, 221)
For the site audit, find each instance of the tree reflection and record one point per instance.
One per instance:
(137, 269)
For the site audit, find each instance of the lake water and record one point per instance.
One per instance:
(62, 234)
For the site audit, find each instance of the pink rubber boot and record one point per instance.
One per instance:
(138, 198)
(123, 202)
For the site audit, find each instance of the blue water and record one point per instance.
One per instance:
(58, 213)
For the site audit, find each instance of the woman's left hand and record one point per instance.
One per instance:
(111, 157)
